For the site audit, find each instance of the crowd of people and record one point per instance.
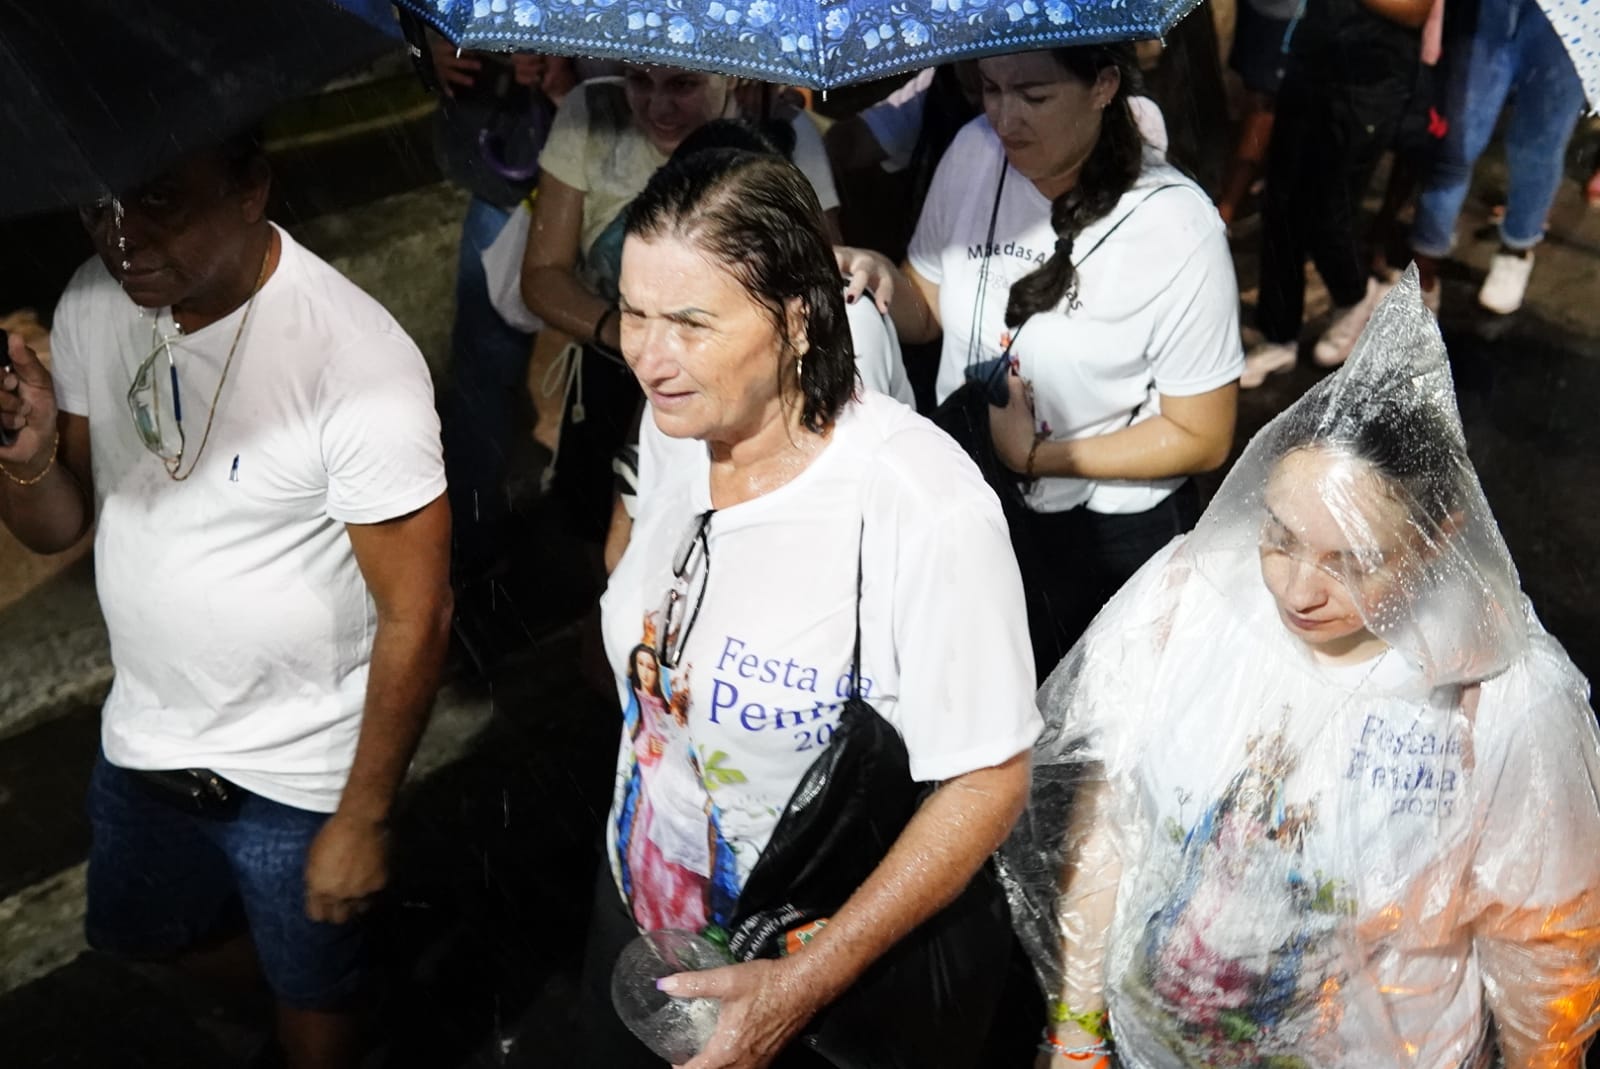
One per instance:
(1307, 783)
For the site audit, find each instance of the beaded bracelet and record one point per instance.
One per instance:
(1097, 1056)
(34, 480)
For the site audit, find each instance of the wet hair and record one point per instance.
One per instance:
(757, 216)
(772, 138)
(1110, 171)
(244, 156)
(1413, 447)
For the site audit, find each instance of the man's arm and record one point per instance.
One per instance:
(406, 565)
(46, 492)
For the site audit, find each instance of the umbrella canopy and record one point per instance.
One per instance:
(822, 44)
(97, 98)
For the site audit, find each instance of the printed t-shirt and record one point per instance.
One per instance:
(1314, 857)
(766, 664)
(241, 628)
(1157, 309)
(595, 148)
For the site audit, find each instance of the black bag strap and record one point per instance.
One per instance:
(976, 328)
(855, 656)
(1125, 217)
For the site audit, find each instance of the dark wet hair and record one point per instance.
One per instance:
(771, 138)
(1110, 171)
(1414, 446)
(758, 217)
(244, 156)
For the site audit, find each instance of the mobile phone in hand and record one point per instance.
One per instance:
(6, 436)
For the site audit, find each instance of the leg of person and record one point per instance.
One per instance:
(1249, 153)
(1477, 77)
(1049, 548)
(485, 401)
(1281, 303)
(1549, 98)
(1414, 145)
(1366, 120)
(318, 971)
(1257, 55)
(157, 887)
(602, 1037)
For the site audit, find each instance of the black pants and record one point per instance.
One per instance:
(1326, 142)
(1073, 562)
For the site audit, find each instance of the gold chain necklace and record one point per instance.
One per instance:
(176, 462)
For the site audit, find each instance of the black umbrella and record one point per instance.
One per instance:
(98, 96)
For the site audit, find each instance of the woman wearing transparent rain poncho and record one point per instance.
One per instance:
(1317, 789)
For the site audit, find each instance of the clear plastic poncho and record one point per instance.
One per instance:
(1316, 789)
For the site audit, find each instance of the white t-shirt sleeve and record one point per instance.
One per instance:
(961, 637)
(896, 121)
(380, 433)
(812, 158)
(565, 153)
(1151, 123)
(68, 364)
(953, 182)
(877, 346)
(1194, 346)
(662, 459)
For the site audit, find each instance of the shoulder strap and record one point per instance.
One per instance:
(855, 656)
(1126, 216)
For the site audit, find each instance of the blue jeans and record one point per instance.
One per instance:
(163, 881)
(1513, 51)
(485, 403)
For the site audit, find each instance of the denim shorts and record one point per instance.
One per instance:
(163, 881)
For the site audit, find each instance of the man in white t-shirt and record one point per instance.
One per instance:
(253, 439)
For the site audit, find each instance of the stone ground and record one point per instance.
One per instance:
(499, 832)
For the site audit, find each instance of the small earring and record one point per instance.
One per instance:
(800, 369)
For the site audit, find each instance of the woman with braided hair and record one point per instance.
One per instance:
(1055, 241)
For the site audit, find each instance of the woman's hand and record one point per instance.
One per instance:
(764, 1006)
(867, 270)
(1011, 428)
(454, 68)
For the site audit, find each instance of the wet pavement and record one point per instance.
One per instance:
(499, 832)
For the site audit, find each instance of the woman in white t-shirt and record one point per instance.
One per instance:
(1331, 793)
(1054, 237)
(606, 140)
(822, 548)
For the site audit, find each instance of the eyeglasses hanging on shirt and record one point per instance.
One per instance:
(691, 567)
(152, 420)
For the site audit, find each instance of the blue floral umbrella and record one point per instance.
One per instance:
(818, 43)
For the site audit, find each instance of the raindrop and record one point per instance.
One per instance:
(505, 807)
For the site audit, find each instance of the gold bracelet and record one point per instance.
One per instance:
(1033, 451)
(34, 480)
